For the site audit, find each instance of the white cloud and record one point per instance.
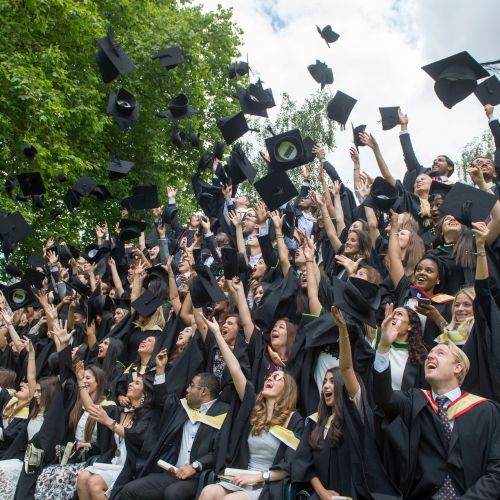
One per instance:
(377, 60)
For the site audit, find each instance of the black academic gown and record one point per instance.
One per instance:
(233, 449)
(419, 451)
(354, 468)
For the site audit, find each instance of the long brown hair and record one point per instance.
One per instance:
(284, 406)
(47, 388)
(364, 242)
(77, 410)
(416, 347)
(336, 430)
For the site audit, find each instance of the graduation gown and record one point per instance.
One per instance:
(354, 468)
(416, 439)
(233, 448)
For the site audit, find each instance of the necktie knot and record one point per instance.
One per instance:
(441, 401)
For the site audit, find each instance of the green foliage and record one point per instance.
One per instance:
(52, 96)
(479, 147)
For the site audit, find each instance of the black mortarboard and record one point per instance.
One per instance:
(168, 213)
(204, 289)
(14, 228)
(219, 148)
(130, 229)
(358, 297)
(101, 192)
(205, 160)
(275, 189)
(119, 168)
(84, 186)
(209, 197)
(31, 183)
(71, 199)
(222, 172)
(144, 197)
(12, 270)
(321, 73)
(339, 108)
(382, 195)
(146, 304)
(37, 260)
(75, 284)
(9, 186)
(230, 262)
(455, 77)
(66, 251)
(19, 295)
(21, 198)
(488, 92)
(390, 117)
(233, 127)
(93, 253)
(177, 137)
(29, 151)
(328, 35)
(194, 139)
(286, 150)
(34, 277)
(439, 188)
(178, 108)
(61, 178)
(255, 100)
(468, 204)
(126, 203)
(55, 212)
(239, 166)
(308, 146)
(111, 58)
(355, 134)
(37, 201)
(124, 108)
(169, 58)
(239, 68)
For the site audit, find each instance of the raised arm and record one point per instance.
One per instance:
(82, 387)
(200, 324)
(481, 234)
(240, 242)
(236, 287)
(117, 282)
(396, 268)
(173, 292)
(312, 280)
(330, 230)
(345, 357)
(337, 202)
(282, 248)
(230, 359)
(31, 370)
(370, 141)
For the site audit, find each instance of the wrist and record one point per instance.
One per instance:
(383, 348)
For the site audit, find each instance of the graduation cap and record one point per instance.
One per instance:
(390, 117)
(355, 134)
(488, 91)
(194, 139)
(29, 151)
(146, 304)
(101, 193)
(439, 189)
(222, 172)
(209, 197)
(321, 73)
(328, 35)
(233, 127)
(55, 212)
(65, 251)
(382, 196)
(169, 58)
(130, 229)
(204, 289)
(34, 277)
(37, 260)
(178, 108)
(37, 201)
(275, 189)
(14, 228)
(62, 178)
(255, 100)
(178, 137)
(339, 108)
(75, 284)
(358, 298)
(168, 213)
(19, 295)
(124, 108)
(126, 204)
(21, 198)
(94, 253)
(219, 148)
(84, 186)
(455, 77)
(239, 166)
(118, 168)
(71, 199)
(230, 262)
(31, 183)
(308, 146)
(238, 68)
(9, 186)
(111, 58)
(12, 270)
(144, 197)
(286, 150)
(468, 204)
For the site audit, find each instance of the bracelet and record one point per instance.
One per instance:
(113, 425)
(392, 234)
(280, 236)
(481, 254)
(309, 260)
(80, 387)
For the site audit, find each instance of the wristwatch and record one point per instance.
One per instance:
(266, 475)
(196, 466)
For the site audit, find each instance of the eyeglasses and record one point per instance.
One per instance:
(276, 376)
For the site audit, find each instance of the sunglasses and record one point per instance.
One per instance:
(276, 376)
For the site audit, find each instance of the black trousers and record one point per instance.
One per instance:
(159, 486)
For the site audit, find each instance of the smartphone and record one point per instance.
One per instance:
(423, 301)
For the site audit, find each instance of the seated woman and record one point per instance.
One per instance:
(259, 436)
(340, 436)
(108, 359)
(96, 482)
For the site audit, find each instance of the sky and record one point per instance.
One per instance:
(378, 58)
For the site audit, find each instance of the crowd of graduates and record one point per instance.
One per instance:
(346, 344)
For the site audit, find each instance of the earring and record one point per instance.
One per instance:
(141, 402)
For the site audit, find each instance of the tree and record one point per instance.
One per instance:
(52, 96)
(479, 147)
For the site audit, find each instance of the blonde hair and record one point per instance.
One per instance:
(284, 406)
(154, 322)
(460, 357)
(471, 294)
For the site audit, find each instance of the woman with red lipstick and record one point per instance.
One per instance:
(258, 436)
(340, 436)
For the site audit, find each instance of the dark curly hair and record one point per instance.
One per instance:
(416, 347)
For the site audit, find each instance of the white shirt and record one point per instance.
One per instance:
(451, 395)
